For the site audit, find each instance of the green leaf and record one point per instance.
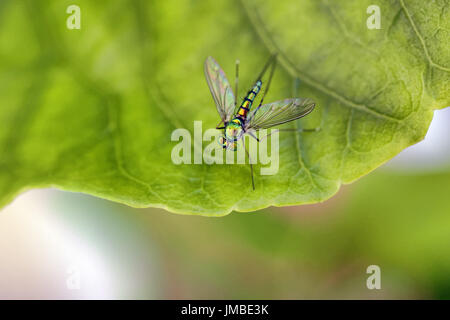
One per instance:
(92, 110)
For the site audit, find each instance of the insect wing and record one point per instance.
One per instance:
(279, 112)
(220, 89)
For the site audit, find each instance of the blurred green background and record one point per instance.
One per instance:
(397, 218)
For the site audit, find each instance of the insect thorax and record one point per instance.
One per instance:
(233, 130)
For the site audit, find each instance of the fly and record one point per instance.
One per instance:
(246, 119)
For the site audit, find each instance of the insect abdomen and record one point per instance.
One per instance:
(248, 100)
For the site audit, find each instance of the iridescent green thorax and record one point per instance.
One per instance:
(233, 130)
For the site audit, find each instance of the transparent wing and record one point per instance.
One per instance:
(279, 112)
(220, 89)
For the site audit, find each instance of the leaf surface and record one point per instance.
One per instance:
(93, 110)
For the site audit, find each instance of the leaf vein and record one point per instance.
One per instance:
(421, 39)
(293, 70)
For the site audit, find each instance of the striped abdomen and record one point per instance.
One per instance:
(248, 101)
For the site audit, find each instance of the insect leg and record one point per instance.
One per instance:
(268, 135)
(236, 82)
(288, 130)
(252, 135)
(250, 162)
(272, 70)
(272, 60)
(218, 125)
